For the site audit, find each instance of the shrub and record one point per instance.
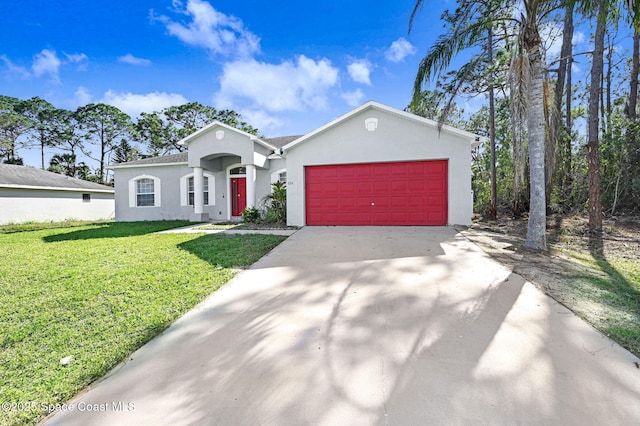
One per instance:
(276, 204)
(251, 215)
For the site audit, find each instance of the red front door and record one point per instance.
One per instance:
(238, 196)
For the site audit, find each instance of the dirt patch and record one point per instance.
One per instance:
(558, 273)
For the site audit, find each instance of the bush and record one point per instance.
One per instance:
(251, 215)
(276, 204)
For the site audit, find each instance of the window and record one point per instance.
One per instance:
(238, 171)
(86, 198)
(145, 194)
(191, 191)
(144, 191)
(282, 177)
(187, 194)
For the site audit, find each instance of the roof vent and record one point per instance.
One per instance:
(219, 134)
(371, 124)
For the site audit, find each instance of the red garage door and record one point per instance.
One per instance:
(406, 193)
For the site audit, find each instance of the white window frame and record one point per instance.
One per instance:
(133, 199)
(275, 176)
(184, 189)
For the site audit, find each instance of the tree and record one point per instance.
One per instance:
(536, 128)
(12, 126)
(152, 131)
(161, 131)
(104, 126)
(65, 164)
(431, 104)
(46, 124)
(125, 152)
(467, 25)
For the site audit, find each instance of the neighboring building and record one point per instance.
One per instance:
(28, 194)
(375, 165)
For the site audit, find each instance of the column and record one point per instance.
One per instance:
(251, 185)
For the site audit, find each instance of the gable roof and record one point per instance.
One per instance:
(217, 123)
(175, 159)
(23, 177)
(475, 139)
(281, 141)
(183, 157)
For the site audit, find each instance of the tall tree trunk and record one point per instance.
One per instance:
(493, 204)
(537, 226)
(564, 74)
(633, 146)
(593, 143)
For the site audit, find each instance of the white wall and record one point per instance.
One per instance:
(395, 139)
(36, 205)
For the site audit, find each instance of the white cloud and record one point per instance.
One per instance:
(261, 120)
(399, 50)
(78, 58)
(13, 69)
(133, 60)
(82, 96)
(360, 70)
(578, 38)
(213, 30)
(133, 103)
(290, 85)
(354, 98)
(47, 62)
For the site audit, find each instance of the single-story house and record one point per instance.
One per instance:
(374, 165)
(29, 194)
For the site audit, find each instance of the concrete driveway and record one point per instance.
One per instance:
(371, 326)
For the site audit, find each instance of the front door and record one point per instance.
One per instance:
(238, 195)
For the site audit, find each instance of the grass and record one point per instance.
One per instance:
(97, 293)
(36, 226)
(247, 226)
(617, 291)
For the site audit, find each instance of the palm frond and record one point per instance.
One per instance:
(415, 11)
(442, 52)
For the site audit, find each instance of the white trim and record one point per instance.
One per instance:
(53, 188)
(184, 193)
(215, 123)
(228, 183)
(157, 190)
(275, 176)
(475, 139)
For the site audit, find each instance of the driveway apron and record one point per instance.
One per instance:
(371, 326)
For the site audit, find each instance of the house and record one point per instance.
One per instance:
(374, 165)
(29, 194)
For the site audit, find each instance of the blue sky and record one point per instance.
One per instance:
(288, 67)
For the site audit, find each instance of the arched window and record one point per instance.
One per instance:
(144, 191)
(187, 194)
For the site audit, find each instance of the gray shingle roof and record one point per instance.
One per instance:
(165, 159)
(182, 157)
(13, 175)
(281, 141)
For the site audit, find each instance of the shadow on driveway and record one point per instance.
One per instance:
(373, 326)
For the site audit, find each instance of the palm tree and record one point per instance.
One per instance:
(468, 24)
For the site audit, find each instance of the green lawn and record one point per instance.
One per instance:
(96, 293)
(617, 291)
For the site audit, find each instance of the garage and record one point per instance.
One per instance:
(388, 193)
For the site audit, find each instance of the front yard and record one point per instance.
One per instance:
(92, 294)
